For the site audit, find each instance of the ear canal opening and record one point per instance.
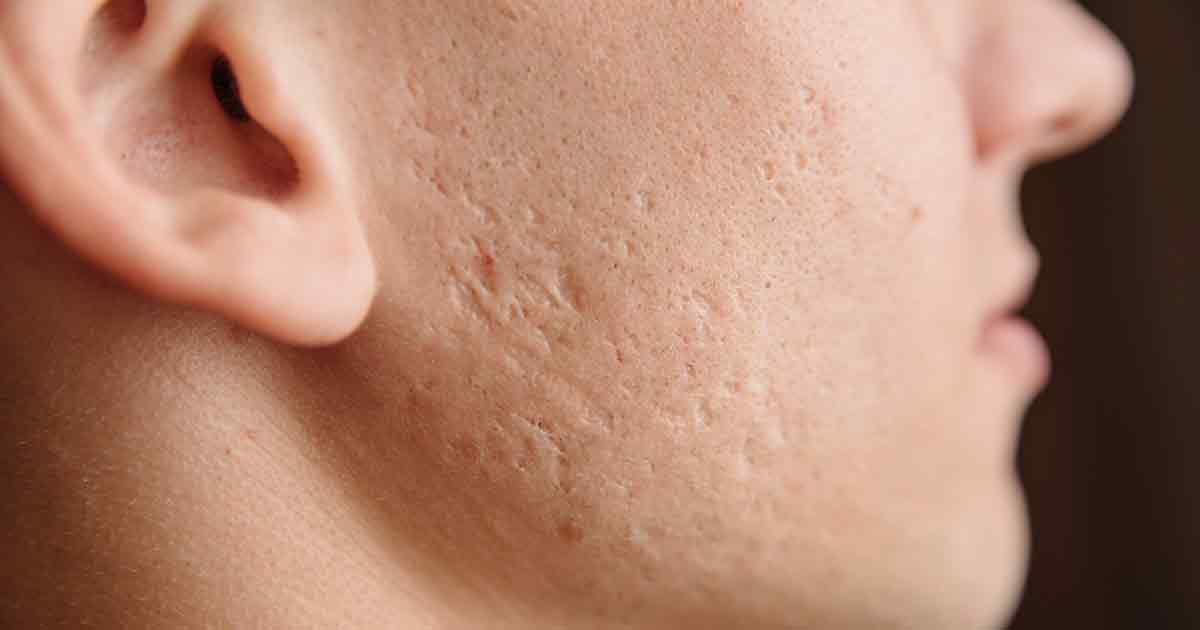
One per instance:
(265, 165)
(225, 88)
(188, 128)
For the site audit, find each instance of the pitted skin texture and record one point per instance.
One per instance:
(691, 297)
(679, 302)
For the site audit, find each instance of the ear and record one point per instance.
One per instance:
(175, 145)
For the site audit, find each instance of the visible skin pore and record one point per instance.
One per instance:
(674, 319)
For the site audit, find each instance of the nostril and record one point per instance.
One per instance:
(1045, 80)
(1061, 133)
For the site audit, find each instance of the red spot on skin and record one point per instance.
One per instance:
(570, 532)
(466, 449)
(488, 262)
(228, 451)
(250, 435)
(238, 335)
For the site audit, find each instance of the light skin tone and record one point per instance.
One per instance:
(524, 314)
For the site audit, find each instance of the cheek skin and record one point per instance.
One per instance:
(671, 310)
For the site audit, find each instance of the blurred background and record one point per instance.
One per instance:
(1110, 453)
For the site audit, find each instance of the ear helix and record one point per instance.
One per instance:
(292, 264)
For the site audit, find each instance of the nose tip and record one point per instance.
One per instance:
(1047, 79)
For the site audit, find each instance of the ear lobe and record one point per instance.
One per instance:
(126, 150)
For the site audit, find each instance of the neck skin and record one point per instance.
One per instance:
(153, 476)
(134, 518)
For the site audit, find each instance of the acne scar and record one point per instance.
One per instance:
(570, 532)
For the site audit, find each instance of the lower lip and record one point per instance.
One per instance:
(1019, 346)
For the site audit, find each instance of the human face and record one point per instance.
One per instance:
(689, 312)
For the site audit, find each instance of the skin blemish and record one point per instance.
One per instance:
(702, 418)
(439, 182)
(237, 335)
(638, 536)
(769, 170)
(570, 532)
(808, 94)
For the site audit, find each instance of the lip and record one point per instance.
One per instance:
(1019, 295)
(1019, 348)
(1013, 341)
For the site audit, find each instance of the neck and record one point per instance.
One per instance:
(131, 514)
(161, 470)
(145, 490)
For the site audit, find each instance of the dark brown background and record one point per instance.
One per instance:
(1107, 451)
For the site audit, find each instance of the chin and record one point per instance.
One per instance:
(994, 563)
(1010, 589)
(972, 574)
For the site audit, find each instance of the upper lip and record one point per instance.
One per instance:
(1019, 289)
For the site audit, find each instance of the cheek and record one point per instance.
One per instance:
(682, 307)
(731, 248)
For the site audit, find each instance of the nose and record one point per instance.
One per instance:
(1044, 79)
